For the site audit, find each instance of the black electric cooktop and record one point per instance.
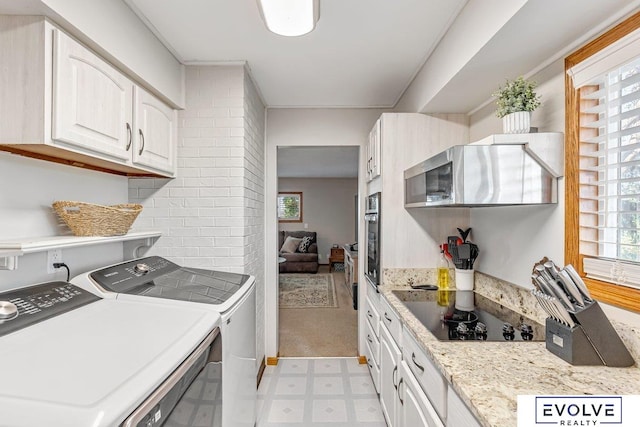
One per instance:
(468, 316)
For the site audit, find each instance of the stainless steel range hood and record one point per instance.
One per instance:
(500, 170)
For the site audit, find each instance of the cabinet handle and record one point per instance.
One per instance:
(413, 359)
(130, 136)
(387, 317)
(369, 338)
(393, 377)
(142, 139)
(369, 363)
(369, 314)
(398, 390)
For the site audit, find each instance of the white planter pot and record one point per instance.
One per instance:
(519, 122)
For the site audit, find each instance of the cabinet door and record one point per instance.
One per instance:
(376, 135)
(415, 408)
(155, 139)
(92, 102)
(390, 356)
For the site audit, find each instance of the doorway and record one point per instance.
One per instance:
(316, 189)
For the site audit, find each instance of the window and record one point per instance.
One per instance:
(290, 207)
(603, 164)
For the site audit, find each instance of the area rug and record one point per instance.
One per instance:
(307, 291)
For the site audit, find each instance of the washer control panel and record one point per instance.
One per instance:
(124, 277)
(27, 306)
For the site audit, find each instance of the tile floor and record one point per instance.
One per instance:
(320, 392)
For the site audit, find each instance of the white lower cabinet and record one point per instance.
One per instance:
(390, 358)
(458, 415)
(415, 409)
(428, 376)
(412, 390)
(374, 370)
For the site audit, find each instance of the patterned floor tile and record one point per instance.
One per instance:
(291, 386)
(332, 411)
(328, 385)
(321, 392)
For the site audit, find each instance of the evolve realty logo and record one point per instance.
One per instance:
(578, 410)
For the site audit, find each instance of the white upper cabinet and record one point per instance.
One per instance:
(156, 133)
(373, 151)
(63, 103)
(92, 101)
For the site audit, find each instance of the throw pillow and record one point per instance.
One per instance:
(304, 244)
(290, 245)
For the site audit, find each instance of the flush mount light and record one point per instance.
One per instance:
(290, 17)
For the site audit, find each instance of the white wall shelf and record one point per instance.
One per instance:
(11, 249)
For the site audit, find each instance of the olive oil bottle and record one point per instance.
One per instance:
(443, 272)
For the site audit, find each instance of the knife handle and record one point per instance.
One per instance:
(578, 281)
(570, 287)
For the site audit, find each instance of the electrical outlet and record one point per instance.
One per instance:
(53, 256)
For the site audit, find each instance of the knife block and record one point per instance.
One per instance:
(592, 341)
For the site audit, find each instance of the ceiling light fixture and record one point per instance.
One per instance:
(290, 17)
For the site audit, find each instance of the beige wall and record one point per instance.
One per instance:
(328, 208)
(513, 238)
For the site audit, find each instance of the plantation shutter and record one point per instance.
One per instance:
(609, 90)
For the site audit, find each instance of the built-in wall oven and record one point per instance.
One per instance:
(372, 216)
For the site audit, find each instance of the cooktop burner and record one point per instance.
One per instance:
(468, 316)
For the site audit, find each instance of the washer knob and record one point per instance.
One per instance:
(8, 310)
(141, 268)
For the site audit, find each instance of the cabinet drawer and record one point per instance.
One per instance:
(373, 295)
(390, 319)
(458, 414)
(374, 342)
(373, 368)
(373, 317)
(416, 409)
(429, 378)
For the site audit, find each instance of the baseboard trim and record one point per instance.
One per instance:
(362, 360)
(263, 366)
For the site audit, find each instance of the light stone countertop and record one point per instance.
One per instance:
(488, 376)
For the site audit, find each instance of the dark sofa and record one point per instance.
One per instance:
(299, 262)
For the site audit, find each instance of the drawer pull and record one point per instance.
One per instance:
(369, 314)
(369, 338)
(369, 363)
(398, 390)
(393, 377)
(413, 359)
(387, 317)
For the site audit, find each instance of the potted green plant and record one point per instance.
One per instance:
(516, 100)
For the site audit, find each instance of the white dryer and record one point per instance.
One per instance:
(231, 295)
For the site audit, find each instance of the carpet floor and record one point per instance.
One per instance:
(321, 332)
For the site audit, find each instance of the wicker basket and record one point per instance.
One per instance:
(86, 219)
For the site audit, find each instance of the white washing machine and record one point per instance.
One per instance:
(70, 358)
(231, 295)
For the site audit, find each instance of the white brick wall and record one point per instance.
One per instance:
(212, 214)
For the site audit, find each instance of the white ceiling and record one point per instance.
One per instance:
(318, 162)
(363, 53)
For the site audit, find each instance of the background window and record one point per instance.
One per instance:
(602, 182)
(290, 207)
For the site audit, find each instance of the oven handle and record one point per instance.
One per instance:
(164, 388)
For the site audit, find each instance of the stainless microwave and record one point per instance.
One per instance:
(480, 175)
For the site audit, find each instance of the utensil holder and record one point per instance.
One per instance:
(592, 341)
(464, 280)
